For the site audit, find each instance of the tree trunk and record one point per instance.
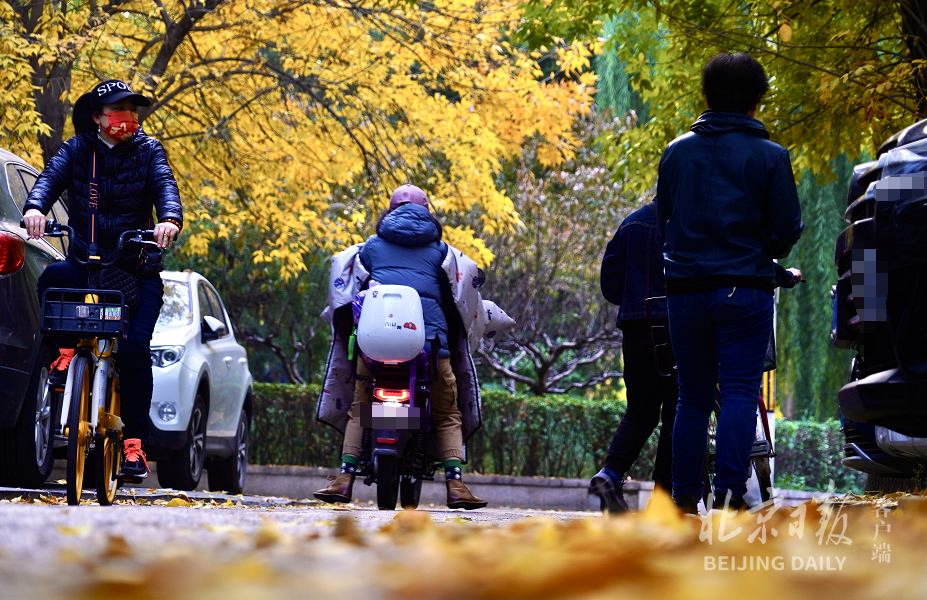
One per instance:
(52, 84)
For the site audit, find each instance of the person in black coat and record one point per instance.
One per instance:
(134, 180)
(632, 270)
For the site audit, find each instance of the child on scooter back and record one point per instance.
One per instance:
(407, 250)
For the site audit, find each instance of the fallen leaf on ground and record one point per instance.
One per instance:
(78, 530)
(117, 547)
(268, 535)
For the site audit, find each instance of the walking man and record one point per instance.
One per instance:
(727, 204)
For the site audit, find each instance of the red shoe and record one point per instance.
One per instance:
(134, 464)
(64, 359)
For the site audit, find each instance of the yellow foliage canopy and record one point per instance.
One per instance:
(300, 118)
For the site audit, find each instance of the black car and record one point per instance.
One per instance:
(27, 413)
(880, 309)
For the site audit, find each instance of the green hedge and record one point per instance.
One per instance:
(809, 454)
(551, 436)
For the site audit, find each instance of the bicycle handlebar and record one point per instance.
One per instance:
(141, 236)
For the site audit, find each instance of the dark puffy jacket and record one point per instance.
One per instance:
(727, 201)
(407, 250)
(134, 179)
(632, 268)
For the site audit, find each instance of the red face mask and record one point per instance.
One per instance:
(122, 125)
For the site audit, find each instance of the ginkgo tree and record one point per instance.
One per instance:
(298, 117)
(844, 75)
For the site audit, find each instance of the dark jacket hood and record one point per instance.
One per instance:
(409, 225)
(715, 122)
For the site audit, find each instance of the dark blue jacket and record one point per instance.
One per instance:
(408, 250)
(134, 178)
(632, 268)
(727, 203)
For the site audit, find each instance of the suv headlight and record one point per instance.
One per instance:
(165, 356)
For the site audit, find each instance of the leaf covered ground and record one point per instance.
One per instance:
(853, 548)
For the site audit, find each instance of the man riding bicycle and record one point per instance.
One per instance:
(115, 176)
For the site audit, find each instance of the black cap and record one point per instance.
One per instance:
(107, 92)
(112, 91)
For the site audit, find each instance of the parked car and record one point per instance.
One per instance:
(880, 309)
(27, 410)
(201, 407)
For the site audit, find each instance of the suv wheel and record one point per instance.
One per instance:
(26, 450)
(183, 470)
(228, 474)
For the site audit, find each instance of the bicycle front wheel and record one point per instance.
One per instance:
(78, 428)
(106, 452)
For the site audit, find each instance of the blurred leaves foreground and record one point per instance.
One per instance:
(857, 548)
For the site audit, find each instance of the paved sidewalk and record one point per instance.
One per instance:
(51, 550)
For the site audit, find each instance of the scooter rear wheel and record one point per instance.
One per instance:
(410, 488)
(387, 470)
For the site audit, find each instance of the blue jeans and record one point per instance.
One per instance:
(722, 332)
(133, 360)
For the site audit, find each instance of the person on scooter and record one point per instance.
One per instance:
(134, 180)
(728, 206)
(407, 250)
(632, 270)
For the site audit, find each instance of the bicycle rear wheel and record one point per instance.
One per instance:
(78, 428)
(764, 476)
(708, 468)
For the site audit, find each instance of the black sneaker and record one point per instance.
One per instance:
(134, 464)
(606, 484)
(687, 504)
(721, 498)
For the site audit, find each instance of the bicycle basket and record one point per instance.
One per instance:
(84, 313)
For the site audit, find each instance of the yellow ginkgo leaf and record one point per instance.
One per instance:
(76, 531)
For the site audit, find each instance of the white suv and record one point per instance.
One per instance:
(201, 406)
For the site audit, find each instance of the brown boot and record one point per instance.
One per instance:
(339, 490)
(458, 496)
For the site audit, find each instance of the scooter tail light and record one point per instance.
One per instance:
(387, 395)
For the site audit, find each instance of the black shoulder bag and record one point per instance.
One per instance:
(111, 278)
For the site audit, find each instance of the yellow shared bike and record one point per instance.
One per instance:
(90, 402)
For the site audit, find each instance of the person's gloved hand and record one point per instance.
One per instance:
(787, 278)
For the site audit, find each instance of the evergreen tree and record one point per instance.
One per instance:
(811, 370)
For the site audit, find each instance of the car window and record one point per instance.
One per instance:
(58, 243)
(218, 309)
(176, 310)
(18, 189)
(61, 215)
(28, 179)
(205, 308)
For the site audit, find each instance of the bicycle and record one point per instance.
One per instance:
(90, 421)
(763, 450)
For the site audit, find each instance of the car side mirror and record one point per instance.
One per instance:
(213, 329)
